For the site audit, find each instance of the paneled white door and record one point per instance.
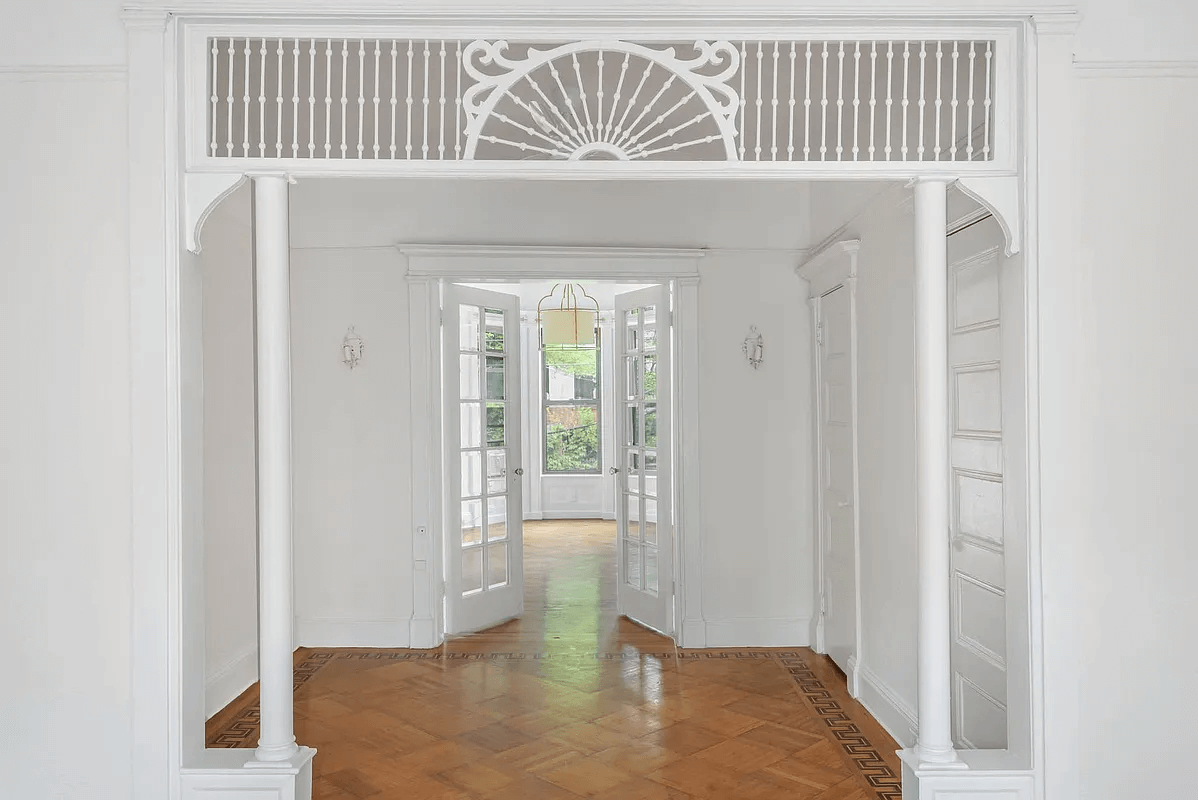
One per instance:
(484, 572)
(985, 368)
(838, 471)
(643, 496)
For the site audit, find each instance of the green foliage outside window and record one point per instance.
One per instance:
(571, 409)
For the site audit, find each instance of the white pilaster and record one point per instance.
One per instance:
(935, 746)
(275, 612)
(693, 629)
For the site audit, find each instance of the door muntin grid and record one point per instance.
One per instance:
(639, 548)
(484, 355)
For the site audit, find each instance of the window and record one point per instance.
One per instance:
(570, 402)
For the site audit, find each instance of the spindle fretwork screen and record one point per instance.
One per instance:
(746, 101)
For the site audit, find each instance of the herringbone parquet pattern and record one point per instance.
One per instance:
(597, 708)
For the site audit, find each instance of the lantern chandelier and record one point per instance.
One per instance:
(569, 324)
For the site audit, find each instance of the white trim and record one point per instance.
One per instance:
(758, 632)
(332, 632)
(583, 514)
(504, 262)
(159, 670)
(37, 73)
(825, 270)
(892, 712)
(831, 268)
(228, 682)
(1136, 69)
(688, 495)
(673, 12)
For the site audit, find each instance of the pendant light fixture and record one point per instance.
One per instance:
(569, 324)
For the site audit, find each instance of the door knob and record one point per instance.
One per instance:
(613, 470)
(519, 470)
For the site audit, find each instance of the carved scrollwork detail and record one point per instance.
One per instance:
(571, 102)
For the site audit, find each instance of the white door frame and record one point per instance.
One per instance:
(430, 265)
(832, 268)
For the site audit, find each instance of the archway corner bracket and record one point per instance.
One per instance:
(1001, 196)
(203, 192)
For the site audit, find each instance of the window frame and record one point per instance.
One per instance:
(597, 404)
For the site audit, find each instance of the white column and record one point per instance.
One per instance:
(931, 433)
(276, 741)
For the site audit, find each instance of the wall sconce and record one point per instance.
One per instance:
(351, 348)
(753, 347)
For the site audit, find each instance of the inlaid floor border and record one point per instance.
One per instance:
(868, 760)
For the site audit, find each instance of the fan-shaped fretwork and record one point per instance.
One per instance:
(594, 100)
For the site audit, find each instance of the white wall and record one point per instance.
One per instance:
(886, 468)
(69, 295)
(230, 482)
(65, 567)
(1133, 398)
(758, 519)
(756, 465)
(350, 432)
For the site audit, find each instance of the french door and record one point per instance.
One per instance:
(643, 489)
(483, 522)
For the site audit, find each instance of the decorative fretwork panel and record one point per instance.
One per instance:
(748, 101)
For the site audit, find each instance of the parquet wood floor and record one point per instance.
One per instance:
(570, 701)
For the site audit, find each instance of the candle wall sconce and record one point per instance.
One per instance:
(351, 348)
(753, 347)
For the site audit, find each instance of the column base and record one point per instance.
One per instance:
(226, 775)
(958, 781)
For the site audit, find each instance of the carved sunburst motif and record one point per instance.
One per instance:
(600, 100)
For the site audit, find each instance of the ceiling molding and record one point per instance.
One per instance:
(831, 266)
(1136, 69)
(483, 262)
(51, 73)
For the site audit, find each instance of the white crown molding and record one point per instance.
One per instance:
(482, 262)
(47, 73)
(549, 252)
(1136, 69)
(830, 266)
(686, 10)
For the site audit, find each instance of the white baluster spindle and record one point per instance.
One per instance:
(823, 144)
(807, 109)
(906, 95)
(986, 106)
(214, 99)
(939, 104)
(441, 107)
(873, 95)
(408, 129)
(328, 99)
(424, 101)
(245, 102)
(952, 136)
(790, 147)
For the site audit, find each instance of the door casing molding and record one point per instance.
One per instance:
(832, 268)
(431, 265)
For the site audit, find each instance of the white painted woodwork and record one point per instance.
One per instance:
(644, 548)
(272, 273)
(484, 458)
(838, 478)
(987, 505)
(92, 31)
(418, 97)
(935, 745)
(831, 277)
